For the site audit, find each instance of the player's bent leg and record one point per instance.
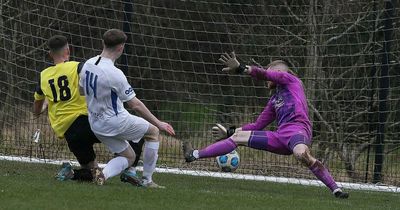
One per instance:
(116, 165)
(150, 156)
(127, 175)
(303, 154)
(131, 171)
(129, 154)
(270, 141)
(241, 138)
(218, 148)
(80, 139)
(152, 133)
(138, 148)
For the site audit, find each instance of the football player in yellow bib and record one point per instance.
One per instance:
(67, 109)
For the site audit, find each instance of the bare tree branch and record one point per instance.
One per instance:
(301, 20)
(291, 33)
(359, 19)
(394, 124)
(359, 113)
(316, 112)
(21, 14)
(329, 28)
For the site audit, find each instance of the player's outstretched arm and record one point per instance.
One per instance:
(233, 65)
(38, 107)
(264, 119)
(144, 112)
(274, 75)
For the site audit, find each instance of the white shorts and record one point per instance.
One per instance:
(134, 130)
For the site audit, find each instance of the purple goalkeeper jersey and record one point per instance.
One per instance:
(288, 106)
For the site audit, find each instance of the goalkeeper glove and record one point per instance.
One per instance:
(232, 64)
(220, 132)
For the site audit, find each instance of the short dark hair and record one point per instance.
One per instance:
(56, 43)
(114, 37)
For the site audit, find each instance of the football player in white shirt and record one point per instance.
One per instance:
(106, 88)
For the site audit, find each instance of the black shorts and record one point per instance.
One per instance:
(80, 139)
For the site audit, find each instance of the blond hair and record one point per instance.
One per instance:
(282, 62)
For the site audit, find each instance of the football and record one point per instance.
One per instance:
(229, 162)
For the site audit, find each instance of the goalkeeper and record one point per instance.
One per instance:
(288, 106)
(67, 111)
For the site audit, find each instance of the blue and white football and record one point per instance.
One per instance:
(229, 162)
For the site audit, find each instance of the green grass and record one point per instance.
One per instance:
(31, 186)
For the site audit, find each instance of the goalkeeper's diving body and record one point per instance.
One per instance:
(288, 106)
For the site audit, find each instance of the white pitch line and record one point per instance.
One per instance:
(309, 182)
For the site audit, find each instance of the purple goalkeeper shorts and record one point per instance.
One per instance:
(280, 142)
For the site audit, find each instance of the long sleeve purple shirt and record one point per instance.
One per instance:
(288, 106)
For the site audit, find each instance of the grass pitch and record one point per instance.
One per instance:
(32, 186)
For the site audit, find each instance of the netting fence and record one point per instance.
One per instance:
(347, 54)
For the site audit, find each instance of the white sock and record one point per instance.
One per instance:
(196, 154)
(115, 166)
(150, 157)
(337, 190)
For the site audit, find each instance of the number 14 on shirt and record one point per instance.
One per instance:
(91, 81)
